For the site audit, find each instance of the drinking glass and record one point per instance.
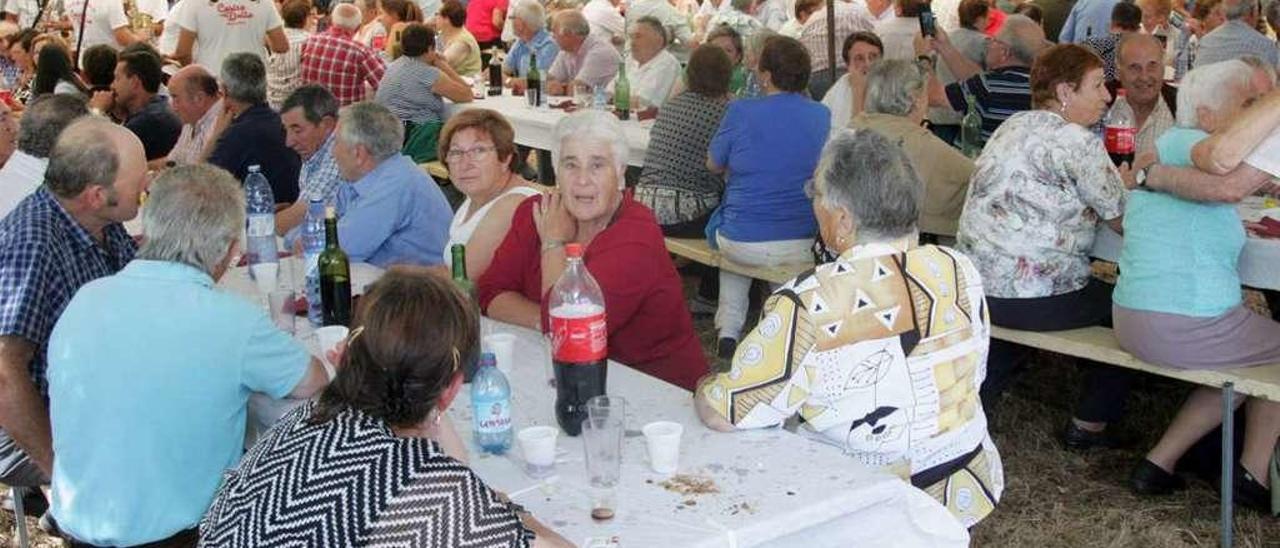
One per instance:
(602, 434)
(281, 302)
(582, 95)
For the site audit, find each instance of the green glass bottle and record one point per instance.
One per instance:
(622, 93)
(335, 275)
(459, 253)
(533, 81)
(971, 129)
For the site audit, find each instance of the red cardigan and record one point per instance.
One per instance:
(649, 324)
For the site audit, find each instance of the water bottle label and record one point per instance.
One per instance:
(261, 225)
(580, 339)
(492, 416)
(1121, 139)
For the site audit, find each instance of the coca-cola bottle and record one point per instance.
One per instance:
(579, 341)
(1121, 131)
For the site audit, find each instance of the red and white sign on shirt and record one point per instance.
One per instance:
(225, 27)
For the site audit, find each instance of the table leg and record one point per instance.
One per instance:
(1228, 463)
(546, 175)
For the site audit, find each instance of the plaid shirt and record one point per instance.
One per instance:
(320, 173)
(333, 59)
(283, 68)
(850, 18)
(45, 256)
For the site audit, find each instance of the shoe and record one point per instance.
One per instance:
(33, 503)
(1246, 491)
(701, 306)
(726, 348)
(1075, 438)
(1149, 479)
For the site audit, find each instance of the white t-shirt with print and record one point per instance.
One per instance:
(227, 27)
(100, 22)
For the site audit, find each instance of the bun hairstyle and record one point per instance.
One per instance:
(411, 334)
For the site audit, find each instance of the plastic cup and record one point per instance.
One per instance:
(281, 303)
(503, 346)
(663, 439)
(538, 445)
(265, 274)
(329, 336)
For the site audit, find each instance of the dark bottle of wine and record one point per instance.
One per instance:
(459, 252)
(533, 91)
(335, 275)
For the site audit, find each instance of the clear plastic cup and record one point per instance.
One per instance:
(538, 445)
(281, 303)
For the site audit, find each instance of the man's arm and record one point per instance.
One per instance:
(277, 41)
(1194, 184)
(124, 36)
(312, 382)
(22, 412)
(186, 42)
(1223, 151)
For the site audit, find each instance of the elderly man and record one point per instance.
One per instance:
(176, 379)
(197, 99)
(1126, 19)
(528, 20)
(334, 60)
(606, 21)
(1088, 18)
(310, 115)
(846, 348)
(651, 69)
(137, 93)
(850, 18)
(1140, 72)
(897, 100)
(42, 122)
(227, 27)
(1238, 37)
(1005, 87)
(250, 133)
(59, 238)
(740, 17)
(679, 31)
(584, 57)
(391, 212)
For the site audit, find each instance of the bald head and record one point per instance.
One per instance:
(347, 16)
(92, 151)
(193, 91)
(1140, 68)
(1138, 45)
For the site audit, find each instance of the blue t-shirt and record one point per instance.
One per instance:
(1179, 257)
(150, 372)
(770, 147)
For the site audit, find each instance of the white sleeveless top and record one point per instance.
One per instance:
(460, 231)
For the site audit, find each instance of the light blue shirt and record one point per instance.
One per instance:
(1087, 15)
(1180, 257)
(395, 214)
(150, 372)
(1233, 40)
(542, 44)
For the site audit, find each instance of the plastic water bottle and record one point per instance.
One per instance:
(600, 101)
(312, 245)
(491, 407)
(260, 231)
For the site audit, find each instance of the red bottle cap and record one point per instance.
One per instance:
(573, 250)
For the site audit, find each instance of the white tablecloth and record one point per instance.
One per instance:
(1259, 262)
(776, 488)
(534, 127)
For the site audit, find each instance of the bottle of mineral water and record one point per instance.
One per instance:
(491, 407)
(313, 245)
(260, 233)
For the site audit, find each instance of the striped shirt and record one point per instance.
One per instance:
(998, 94)
(406, 91)
(284, 70)
(850, 18)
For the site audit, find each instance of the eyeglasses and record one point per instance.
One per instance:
(458, 154)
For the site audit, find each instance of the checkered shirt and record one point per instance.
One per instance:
(45, 256)
(333, 59)
(850, 18)
(320, 173)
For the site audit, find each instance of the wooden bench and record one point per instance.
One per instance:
(697, 250)
(436, 169)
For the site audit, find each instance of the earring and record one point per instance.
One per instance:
(1062, 108)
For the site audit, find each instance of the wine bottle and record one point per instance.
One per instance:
(533, 79)
(622, 93)
(335, 275)
(459, 252)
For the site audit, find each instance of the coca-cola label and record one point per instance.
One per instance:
(1121, 139)
(580, 338)
(492, 416)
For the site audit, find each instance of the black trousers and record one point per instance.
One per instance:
(1104, 389)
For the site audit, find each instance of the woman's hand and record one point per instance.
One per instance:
(552, 219)
(1128, 175)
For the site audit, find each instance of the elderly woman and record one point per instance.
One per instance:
(730, 41)
(833, 345)
(769, 147)
(400, 372)
(649, 324)
(1042, 184)
(845, 97)
(651, 69)
(395, 15)
(460, 47)
(1190, 316)
(414, 89)
(675, 182)
(478, 146)
(897, 99)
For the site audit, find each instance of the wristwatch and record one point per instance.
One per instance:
(1141, 177)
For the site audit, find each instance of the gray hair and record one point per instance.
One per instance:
(1238, 9)
(864, 173)
(572, 22)
(45, 118)
(894, 86)
(1259, 64)
(373, 127)
(1208, 86)
(245, 78)
(347, 16)
(1018, 31)
(316, 102)
(741, 5)
(654, 24)
(596, 125)
(532, 13)
(84, 155)
(193, 214)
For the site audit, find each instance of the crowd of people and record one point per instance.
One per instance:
(779, 155)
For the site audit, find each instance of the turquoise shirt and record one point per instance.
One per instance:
(150, 372)
(1180, 257)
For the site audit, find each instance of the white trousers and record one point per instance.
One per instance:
(735, 289)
